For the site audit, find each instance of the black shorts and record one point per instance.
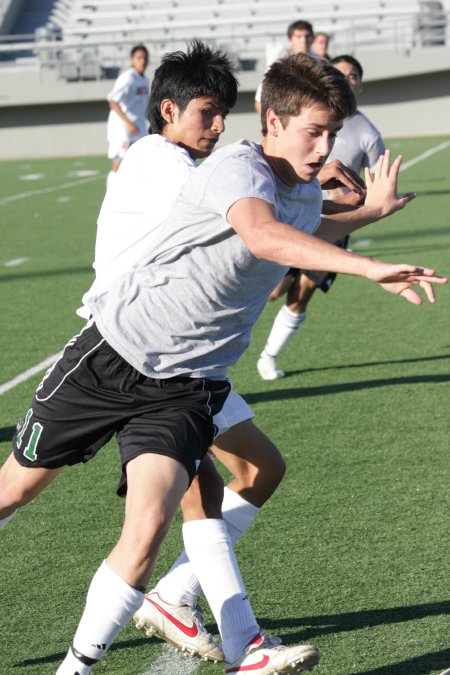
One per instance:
(323, 280)
(92, 393)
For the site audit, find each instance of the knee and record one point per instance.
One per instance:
(205, 494)
(275, 474)
(258, 483)
(13, 496)
(269, 476)
(145, 532)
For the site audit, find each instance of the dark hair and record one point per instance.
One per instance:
(182, 76)
(299, 80)
(139, 48)
(299, 25)
(348, 59)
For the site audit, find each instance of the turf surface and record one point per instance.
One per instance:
(352, 551)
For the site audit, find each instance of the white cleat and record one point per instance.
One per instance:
(267, 367)
(265, 656)
(179, 625)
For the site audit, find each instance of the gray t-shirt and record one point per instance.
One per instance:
(189, 306)
(358, 144)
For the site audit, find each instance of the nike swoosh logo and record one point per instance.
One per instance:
(254, 666)
(190, 631)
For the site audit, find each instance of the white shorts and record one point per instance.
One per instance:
(234, 411)
(117, 148)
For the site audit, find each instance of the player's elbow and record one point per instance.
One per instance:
(259, 248)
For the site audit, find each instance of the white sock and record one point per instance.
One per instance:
(208, 546)
(284, 327)
(238, 513)
(73, 666)
(110, 604)
(5, 521)
(180, 585)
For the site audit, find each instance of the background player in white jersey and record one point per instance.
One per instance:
(156, 356)
(299, 35)
(128, 105)
(358, 146)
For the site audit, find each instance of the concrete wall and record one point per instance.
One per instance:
(41, 116)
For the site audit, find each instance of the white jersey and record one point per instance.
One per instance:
(146, 184)
(358, 144)
(131, 92)
(189, 305)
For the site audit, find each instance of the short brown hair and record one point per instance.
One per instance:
(300, 81)
(299, 25)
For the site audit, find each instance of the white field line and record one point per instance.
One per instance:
(51, 359)
(425, 155)
(15, 262)
(46, 363)
(54, 188)
(170, 661)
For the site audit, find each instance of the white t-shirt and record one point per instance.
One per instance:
(131, 92)
(149, 179)
(358, 144)
(189, 305)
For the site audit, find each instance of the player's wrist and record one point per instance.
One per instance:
(369, 267)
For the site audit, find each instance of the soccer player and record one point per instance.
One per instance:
(150, 177)
(191, 95)
(128, 105)
(319, 45)
(300, 35)
(151, 367)
(358, 146)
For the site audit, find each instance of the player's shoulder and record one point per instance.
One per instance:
(365, 124)
(242, 149)
(155, 154)
(126, 75)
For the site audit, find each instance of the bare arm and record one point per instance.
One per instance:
(267, 238)
(381, 200)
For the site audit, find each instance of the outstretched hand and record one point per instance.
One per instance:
(382, 186)
(399, 279)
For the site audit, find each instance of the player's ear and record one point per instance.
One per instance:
(273, 123)
(168, 110)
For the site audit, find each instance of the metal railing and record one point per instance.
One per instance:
(101, 55)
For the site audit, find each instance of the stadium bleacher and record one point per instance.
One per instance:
(79, 37)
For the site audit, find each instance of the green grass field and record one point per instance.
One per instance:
(351, 553)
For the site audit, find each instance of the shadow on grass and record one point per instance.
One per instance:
(333, 624)
(45, 273)
(327, 624)
(377, 248)
(59, 656)
(408, 234)
(7, 433)
(368, 364)
(304, 392)
(419, 665)
(310, 628)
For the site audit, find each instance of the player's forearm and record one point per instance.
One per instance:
(286, 246)
(338, 225)
(118, 110)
